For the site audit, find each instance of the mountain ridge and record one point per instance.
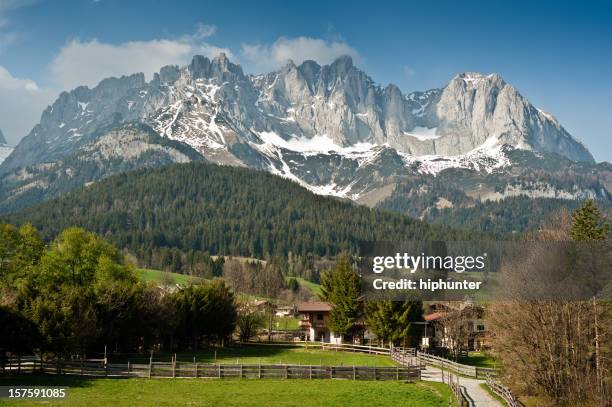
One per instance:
(330, 128)
(354, 109)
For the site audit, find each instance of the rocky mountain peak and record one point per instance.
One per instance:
(2, 139)
(220, 68)
(342, 65)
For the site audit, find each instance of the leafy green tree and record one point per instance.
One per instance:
(19, 334)
(340, 286)
(248, 322)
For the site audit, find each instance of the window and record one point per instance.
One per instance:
(481, 327)
(319, 317)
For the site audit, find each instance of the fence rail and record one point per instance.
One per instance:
(504, 393)
(466, 370)
(216, 371)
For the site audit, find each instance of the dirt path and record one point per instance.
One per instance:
(477, 395)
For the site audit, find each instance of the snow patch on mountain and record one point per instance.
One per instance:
(318, 144)
(423, 133)
(5, 151)
(488, 157)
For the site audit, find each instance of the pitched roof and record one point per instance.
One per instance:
(318, 306)
(434, 316)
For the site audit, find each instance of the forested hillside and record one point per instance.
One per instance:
(199, 207)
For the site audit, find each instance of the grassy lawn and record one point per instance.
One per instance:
(244, 393)
(272, 355)
(313, 287)
(286, 323)
(479, 359)
(159, 276)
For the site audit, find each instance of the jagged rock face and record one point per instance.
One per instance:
(2, 139)
(474, 107)
(127, 147)
(326, 127)
(212, 105)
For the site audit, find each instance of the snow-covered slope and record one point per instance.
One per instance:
(5, 150)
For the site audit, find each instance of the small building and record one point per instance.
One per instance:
(285, 311)
(469, 319)
(315, 322)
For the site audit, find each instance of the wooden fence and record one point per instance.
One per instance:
(459, 368)
(406, 357)
(214, 371)
(503, 392)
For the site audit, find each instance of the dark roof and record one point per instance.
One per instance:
(318, 306)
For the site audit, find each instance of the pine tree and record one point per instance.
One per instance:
(341, 287)
(588, 223)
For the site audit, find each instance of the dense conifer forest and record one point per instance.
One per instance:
(203, 208)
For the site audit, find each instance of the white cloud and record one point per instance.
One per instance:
(22, 102)
(408, 71)
(88, 62)
(265, 57)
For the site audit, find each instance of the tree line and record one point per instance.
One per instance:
(77, 295)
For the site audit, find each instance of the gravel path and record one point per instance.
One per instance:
(477, 395)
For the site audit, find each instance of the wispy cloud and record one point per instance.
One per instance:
(408, 71)
(22, 102)
(87, 62)
(264, 57)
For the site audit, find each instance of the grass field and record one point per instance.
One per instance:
(159, 276)
(286, 323)
(479, 359)
(229, 393)
(272, 355)
(313, 287)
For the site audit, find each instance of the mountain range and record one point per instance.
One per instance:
(329, 128)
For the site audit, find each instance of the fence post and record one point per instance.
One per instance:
(150, 366)
(354, 373)
(397, 373)
(241, 371)
(331, 372)
(81, 366)
(173, 368)
(310, 372)
(19, 363)
(196, 370)
(219, 371)
(259, 371)
(286, 371)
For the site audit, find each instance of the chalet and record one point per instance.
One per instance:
(468, 325)
(315, 322)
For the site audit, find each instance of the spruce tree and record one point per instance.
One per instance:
(588, 223)
(341, 287)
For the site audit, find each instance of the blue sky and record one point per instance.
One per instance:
(557, 54)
